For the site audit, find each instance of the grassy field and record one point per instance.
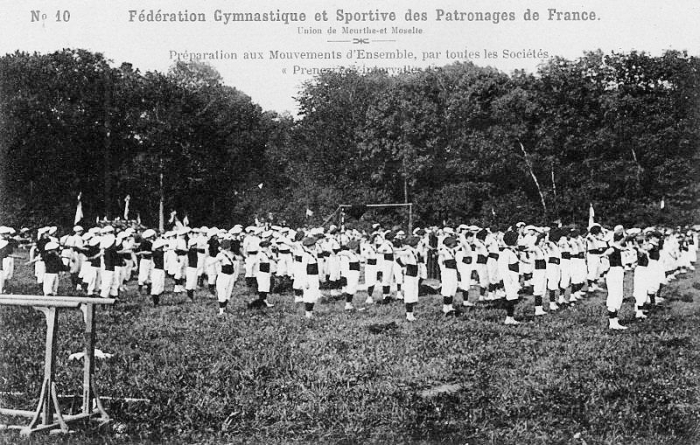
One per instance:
(369, 377)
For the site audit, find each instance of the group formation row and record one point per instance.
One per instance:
(557, 263)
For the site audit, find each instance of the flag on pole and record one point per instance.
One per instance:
(591, 216)
(662, 204)
(309, 213)
(138, 218)
(126, 207)
(260, 185)
(79, 209)
(172, 216)
(186, 221)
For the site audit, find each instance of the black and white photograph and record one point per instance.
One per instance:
(350, 222)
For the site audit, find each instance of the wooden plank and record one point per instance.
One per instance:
(76, 417)
(16, 412)
(41, 300)
(37, 303)
(26, 431)
(89, 358)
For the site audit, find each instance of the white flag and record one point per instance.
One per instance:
(662, 204)
(186, 221)
(79, 209)
(309, 212)
(126, 207)
(591, 215)
(172, 216)
(260, 185)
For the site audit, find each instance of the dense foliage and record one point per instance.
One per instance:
(463, 143)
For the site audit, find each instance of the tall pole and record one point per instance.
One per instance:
(405, 188)
(405, 200)
(107, 144)
(161, 200)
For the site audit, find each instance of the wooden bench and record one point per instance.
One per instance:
(43, 418)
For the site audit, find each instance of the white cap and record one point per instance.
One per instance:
(51, 246)
(78, 229)
(94, 241)
(148, 233)
(107, 240)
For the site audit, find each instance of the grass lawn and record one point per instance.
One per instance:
(368, 377)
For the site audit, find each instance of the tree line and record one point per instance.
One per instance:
(462, 143)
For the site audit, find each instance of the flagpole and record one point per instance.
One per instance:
(161, 201)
